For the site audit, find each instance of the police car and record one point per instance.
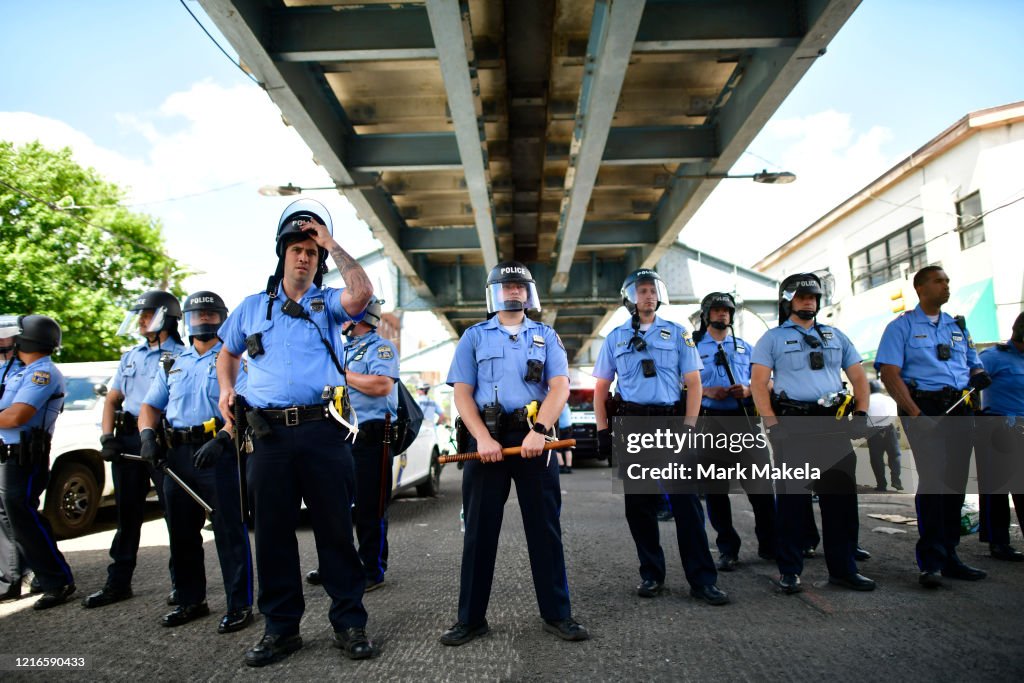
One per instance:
(80, 481)
(418, 466)
(584, 424)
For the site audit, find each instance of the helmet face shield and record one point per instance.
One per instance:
(512, 296)
(204, 323)
(642, 290)
(132, 319)
(9, 327)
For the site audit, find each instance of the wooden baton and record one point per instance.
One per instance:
(511, 450)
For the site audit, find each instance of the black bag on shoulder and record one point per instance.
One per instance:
(410, 417)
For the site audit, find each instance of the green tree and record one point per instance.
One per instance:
(69, 250)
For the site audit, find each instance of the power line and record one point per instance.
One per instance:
(53, 206)
(226, 54)
(188, 196)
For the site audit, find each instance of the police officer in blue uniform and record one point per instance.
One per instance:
(292, 335)
(804, 358)
(650, 356)
(371, 372)
(501, 366)
(33, 397)
(189, 393)
(1001, 436)
(12, 565)
(432, 412)
(153, 316)
(723, 354)
(927, 361)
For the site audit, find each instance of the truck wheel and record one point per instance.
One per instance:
(72, 500)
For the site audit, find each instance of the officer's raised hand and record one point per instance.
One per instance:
(319, 233)
(533, 445)
(150, 451)
(489, 449)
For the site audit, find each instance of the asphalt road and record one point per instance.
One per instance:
(965, 631)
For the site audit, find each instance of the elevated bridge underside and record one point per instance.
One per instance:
(575, 136)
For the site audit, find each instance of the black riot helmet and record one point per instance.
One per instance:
(166, 314)
(715, 300)
(799, 283)
(39, 334)
(371, 316)
(198, 326)
(510, 272)
(294, 226)
(637, 277)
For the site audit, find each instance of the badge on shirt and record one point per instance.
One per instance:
(665, 334)
(741, 349)
(958, 337)
(538, 341)
(688, 339)
(316, 305)
(41, 378)
(826, 335)
(384, 353)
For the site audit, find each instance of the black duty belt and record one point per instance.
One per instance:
(125, 422)
(642, 409)
(711, 412)
(943, 395)
(190, 435)
(788, 406)
(295, 415)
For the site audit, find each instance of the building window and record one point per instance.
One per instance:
(969, 221)
(883, 261)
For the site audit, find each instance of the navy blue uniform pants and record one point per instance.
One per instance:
(312, 462)
(20, 488)
(728, 539)
(837, 497)
(642, 518)
(943, 459)
(373, 494)
(12, 565)
(995, 473)
(131, 487)
(485, 489)
(218, 486)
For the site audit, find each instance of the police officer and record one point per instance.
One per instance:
(501, 366)
(650, 355)
(432, 413)
(371, 372)
(1004, 401)
(804, 358)
(189, 393)
(296, 381)
(722, 355)
(154, 316)
(32, 399)
(12, 565)
(927, 360)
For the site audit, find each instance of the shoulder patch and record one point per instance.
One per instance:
(41, 378)
(384, 352)
(687, 338)
(559, 340)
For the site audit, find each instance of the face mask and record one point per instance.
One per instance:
(205, 337)
(806, 315)
(718, 325)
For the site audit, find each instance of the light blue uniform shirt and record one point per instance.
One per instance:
(35, 384)
(910, 343)
(295, 365)
(671, 348)
(565, 419)
(138, 367)
(494, 363)
(715, 375)
(371, 354)
(430, 409)
(189, 393)
(785, 349)
(1006, 394)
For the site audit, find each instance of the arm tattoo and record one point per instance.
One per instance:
(355, 277)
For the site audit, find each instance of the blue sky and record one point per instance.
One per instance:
(141, 93)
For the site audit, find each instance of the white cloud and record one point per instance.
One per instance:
(832, 160)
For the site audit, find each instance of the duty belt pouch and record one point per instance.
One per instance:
(647, 366)
(492, 416)
(39, 447)
(461, 436)
(258, 425)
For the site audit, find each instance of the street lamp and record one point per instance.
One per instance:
(289, 190)
(764, 177)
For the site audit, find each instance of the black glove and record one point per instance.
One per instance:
(208, 453)
(604, 443)
(151, 452)
(857, 427)
(980, 381)
(111, 448)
